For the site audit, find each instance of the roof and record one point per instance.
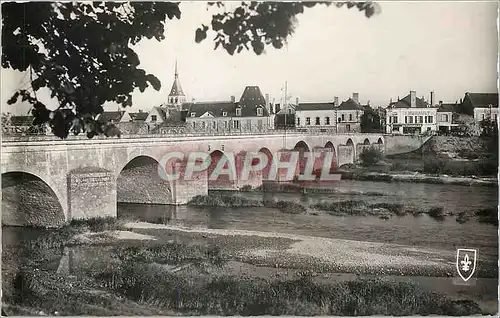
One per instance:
(483, 100)
(406, 102)
(21, 120)
(350, 104)
(446, 108)
(109, 116)
(250, 100)
(140, 116)
(314, 106)
(216, 109)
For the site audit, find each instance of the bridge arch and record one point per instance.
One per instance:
(139, 181)
(380, 141)
(220, 179)
(31, 200)
(331, 148)
(366, 141)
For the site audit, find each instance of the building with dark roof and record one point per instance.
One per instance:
(139, 116)
(348, 115)
(250, 113)
(411, 115)
(447, 117)
(111, 116)
(480, 105)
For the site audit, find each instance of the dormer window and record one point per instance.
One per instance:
(193, 114)
(238, 111)
(224, 114)
(259, 111)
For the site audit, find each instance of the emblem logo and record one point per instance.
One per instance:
(466, 263)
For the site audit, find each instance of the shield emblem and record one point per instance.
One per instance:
(466, 263)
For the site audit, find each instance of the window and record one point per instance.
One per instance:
(327, 120)
(153, 118)
(298, 121)
(317, 121)
(194, 124)
(406, 119)
(420, 119)
(259, 123)
(350, 117)
(394, 119)
(495, 117)
(348, 127)
(426, 119)
(236, 124)
(193, 114)
(249, 123)
(238, 111)
(308, 121)
(176, 100)
(430, 119)
(224, 114)
(289, 110)
(214, 124)
(343, 118)
(203, 124)
(259, 111)
(483, 116)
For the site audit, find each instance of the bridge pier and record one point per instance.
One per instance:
(91, 193)
(184, 190)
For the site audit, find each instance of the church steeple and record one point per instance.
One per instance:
(176, 96)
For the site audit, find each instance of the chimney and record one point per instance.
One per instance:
(233, 99)
(355, 97)
(336, 101)
(432, 98)
(413, 99)
(296, 101)
(440, 103)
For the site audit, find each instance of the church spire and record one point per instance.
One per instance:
(176, 96)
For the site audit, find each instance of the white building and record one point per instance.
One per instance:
(411, 115)
(349, 115)
(317, 115)
(480, 105)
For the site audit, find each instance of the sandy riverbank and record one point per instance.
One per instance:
(324, 254)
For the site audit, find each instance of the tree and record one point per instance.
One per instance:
(370, 121)
(467, 126)
(83, 52)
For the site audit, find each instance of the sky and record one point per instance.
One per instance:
(446, 47)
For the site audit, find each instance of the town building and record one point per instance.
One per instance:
(480, 105)
(348, 115)
(140, 116)
(315, 115)
(447, 117)
(113, 117)
(247, 115)
(410, 115)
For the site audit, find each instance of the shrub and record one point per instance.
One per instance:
(488, 215)
(436, 213)
(396, 208)
(350, 207)
(370, 156)
(287, 207)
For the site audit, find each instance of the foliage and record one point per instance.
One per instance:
(481, 167)
(467, 126)
(370, 121)
(370, 156)
(223, 201)
(83, 53)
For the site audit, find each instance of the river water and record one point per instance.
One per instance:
(409, 230)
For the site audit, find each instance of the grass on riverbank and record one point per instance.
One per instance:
(224, 201)
(383, 210)
(137, 285)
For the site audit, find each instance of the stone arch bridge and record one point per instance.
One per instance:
(86, 177)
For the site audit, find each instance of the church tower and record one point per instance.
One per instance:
(176, 96)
